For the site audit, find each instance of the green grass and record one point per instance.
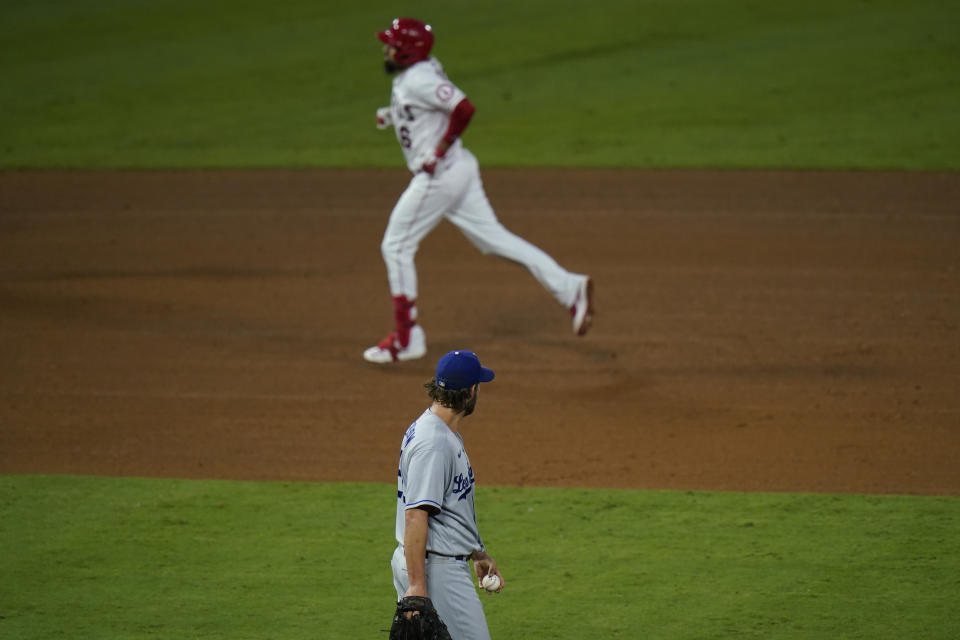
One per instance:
(679, 83)
(127, 558)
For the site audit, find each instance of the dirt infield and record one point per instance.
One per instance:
(776, 331)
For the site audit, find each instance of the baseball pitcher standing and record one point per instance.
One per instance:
(436, 524)
(428, 113)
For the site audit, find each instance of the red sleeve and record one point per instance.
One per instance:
(459, 120)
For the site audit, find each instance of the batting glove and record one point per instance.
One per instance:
(427, 163)
(384, 118)
(430, 160)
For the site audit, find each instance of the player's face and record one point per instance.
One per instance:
(472, 404)
(390, 64)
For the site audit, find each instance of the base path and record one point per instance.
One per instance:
(771, 331)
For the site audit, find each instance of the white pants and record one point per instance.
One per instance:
(456, 192)
(450, 587)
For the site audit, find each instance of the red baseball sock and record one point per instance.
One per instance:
(405, 316)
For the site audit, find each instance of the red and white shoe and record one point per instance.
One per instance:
(389, 349)
(582, 309)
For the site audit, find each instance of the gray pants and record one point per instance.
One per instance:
(450, 587)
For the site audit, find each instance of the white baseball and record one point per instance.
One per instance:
(491, 582)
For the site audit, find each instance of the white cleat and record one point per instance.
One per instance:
(389, 349)
(582, 309)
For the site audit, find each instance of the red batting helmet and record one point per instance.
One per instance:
(411, 38)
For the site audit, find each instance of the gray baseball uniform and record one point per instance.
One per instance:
(435, 472)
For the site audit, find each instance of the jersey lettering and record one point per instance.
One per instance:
(405, 140)
(420, 104)
(435, 472)
(463, 485)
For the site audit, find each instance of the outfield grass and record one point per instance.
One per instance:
(691, 83)
(107, 559)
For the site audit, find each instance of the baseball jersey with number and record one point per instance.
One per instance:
(420, 105)
(435, 472)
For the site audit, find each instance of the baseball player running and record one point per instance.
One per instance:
(428, 114)
(436, 524)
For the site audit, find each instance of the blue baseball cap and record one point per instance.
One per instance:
(461, 369)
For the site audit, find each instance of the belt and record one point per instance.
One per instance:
(442, 555)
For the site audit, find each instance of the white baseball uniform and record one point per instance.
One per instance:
(421, 103)
(435, 471)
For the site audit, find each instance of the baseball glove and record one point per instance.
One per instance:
(416, 619)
